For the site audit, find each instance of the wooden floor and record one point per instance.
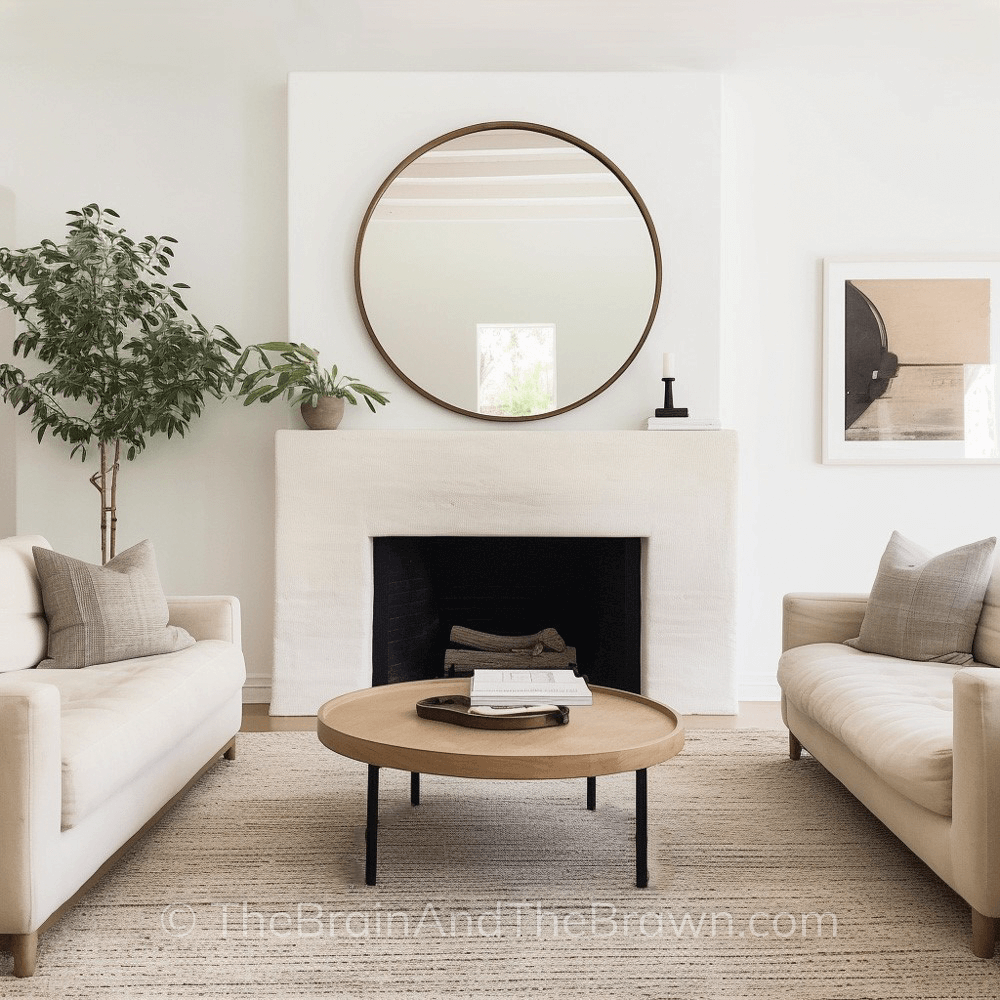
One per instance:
(752, 715)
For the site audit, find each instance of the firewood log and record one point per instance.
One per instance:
(516, 659)
(548, 638)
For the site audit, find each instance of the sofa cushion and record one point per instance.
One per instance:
(100, 614)
(925, 607)
(119, 718)
(986, 648)
(22, 619)
(894, 715)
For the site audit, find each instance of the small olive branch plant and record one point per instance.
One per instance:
(123, 358)
(298, 376)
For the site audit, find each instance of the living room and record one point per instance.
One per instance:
(764, 138)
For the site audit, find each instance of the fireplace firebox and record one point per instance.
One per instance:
(588, 589)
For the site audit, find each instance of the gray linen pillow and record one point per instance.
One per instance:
(99, 614)
(925, 607)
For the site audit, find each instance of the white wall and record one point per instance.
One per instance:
(8, 430)
(159, 113)
(859, 153)
(848, 129)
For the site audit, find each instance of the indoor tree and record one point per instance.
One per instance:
(122, 358)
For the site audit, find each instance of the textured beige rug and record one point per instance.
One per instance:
(766, 880)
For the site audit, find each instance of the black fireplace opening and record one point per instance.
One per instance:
(588, 589)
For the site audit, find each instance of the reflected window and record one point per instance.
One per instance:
(517, 368)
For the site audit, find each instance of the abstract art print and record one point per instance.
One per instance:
(911, 353)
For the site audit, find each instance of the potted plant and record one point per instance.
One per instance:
(125, 358)
(321, 394)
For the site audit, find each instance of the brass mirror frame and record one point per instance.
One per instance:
(526, 127)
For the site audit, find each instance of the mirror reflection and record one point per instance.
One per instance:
(507, 271)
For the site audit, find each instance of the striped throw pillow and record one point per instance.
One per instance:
(100, 614)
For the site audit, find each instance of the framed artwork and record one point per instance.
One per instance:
(911, 355)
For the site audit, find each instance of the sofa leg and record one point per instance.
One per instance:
(794, 746)
(230, 752)
(25, 950)
(984, 935)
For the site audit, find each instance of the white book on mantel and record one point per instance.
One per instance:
(504, 688)
(683, 424)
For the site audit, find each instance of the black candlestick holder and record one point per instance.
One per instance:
(668, 409)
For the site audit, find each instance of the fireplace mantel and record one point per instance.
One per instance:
(336, 490)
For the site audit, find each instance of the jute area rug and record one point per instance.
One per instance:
(767, 880)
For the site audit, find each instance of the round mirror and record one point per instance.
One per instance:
(507, 271)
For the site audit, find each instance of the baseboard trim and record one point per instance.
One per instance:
(760, 689)
(257, 692)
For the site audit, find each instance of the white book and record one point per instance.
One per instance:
(683, 424)
(503, 688)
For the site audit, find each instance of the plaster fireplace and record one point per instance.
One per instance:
(672, 493)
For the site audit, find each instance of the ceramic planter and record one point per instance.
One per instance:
(326, 415)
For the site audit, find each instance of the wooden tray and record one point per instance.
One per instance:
(454, 709)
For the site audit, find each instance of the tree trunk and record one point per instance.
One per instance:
(105, 481)
(113, 505)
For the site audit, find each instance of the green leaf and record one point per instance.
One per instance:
(256, 394)
(273, 345)
(251, 380)
(304, 349)
(241, 363)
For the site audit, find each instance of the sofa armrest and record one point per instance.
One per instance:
(215, 617)
(808, 618)
(976, 787)
(31, 798)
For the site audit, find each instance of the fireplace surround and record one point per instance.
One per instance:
(336, 491)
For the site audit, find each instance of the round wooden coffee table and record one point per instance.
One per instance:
(380, 727)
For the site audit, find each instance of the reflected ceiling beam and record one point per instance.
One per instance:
(506, 175)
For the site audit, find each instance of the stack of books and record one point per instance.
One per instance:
(522, 688)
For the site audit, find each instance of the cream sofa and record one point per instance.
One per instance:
(917, 743)
(90, 757)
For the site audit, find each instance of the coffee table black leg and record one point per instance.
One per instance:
(592, 793)
(414, 788)
(371, 827)
(641, 831)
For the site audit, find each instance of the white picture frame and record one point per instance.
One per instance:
(911, 354)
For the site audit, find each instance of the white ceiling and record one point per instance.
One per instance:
(561, 35)
(651, 34)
